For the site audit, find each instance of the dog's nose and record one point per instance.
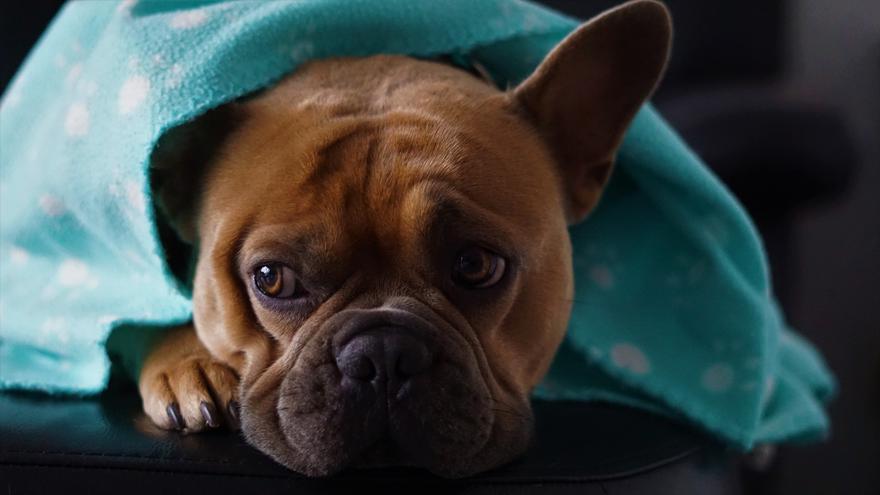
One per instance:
(384, 355)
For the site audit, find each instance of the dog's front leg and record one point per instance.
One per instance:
(184, 388)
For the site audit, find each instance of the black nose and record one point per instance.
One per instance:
(383, 355)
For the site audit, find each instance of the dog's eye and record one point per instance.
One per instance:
(478, 268)
(275, 280)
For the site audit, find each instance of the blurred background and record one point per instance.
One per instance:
(782, 100)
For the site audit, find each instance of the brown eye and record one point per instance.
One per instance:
(478, 268)
(275, 280)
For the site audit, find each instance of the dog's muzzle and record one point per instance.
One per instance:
(386, 387)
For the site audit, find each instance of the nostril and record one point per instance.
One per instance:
(413, 359)
(355, 363)
(361, 368)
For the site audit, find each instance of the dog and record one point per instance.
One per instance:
(383, 265)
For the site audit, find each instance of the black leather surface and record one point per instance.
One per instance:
(106, 444)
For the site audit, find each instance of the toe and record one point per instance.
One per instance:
(160, 404)
(174, 416)
(223, 385)
(209, 414)
(194, 397)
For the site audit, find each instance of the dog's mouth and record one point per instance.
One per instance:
(428, 422)
(399, 393)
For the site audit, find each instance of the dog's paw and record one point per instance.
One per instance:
(191, 395)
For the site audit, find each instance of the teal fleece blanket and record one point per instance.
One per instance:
(674, 310)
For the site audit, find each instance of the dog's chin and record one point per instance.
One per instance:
(447, 425)
(501, 447)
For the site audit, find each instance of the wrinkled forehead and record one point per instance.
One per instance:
(328, 160)
(392, 172)
(381, 161)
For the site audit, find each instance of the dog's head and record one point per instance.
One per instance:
(383, 247)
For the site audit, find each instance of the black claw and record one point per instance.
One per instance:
(209, 413)
(173, 411)
(232, 408)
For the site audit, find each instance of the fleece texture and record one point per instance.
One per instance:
(673, 309)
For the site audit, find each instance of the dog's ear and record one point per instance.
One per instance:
(587, 90)
(179, 162)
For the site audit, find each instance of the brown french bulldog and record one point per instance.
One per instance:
(384, 268)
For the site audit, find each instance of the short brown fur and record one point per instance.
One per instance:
(365, 175)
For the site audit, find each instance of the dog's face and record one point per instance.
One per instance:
(383, 247)
(406, 307)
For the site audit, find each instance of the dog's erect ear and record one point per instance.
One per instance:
(585, 93)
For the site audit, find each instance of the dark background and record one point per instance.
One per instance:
(745, 77)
